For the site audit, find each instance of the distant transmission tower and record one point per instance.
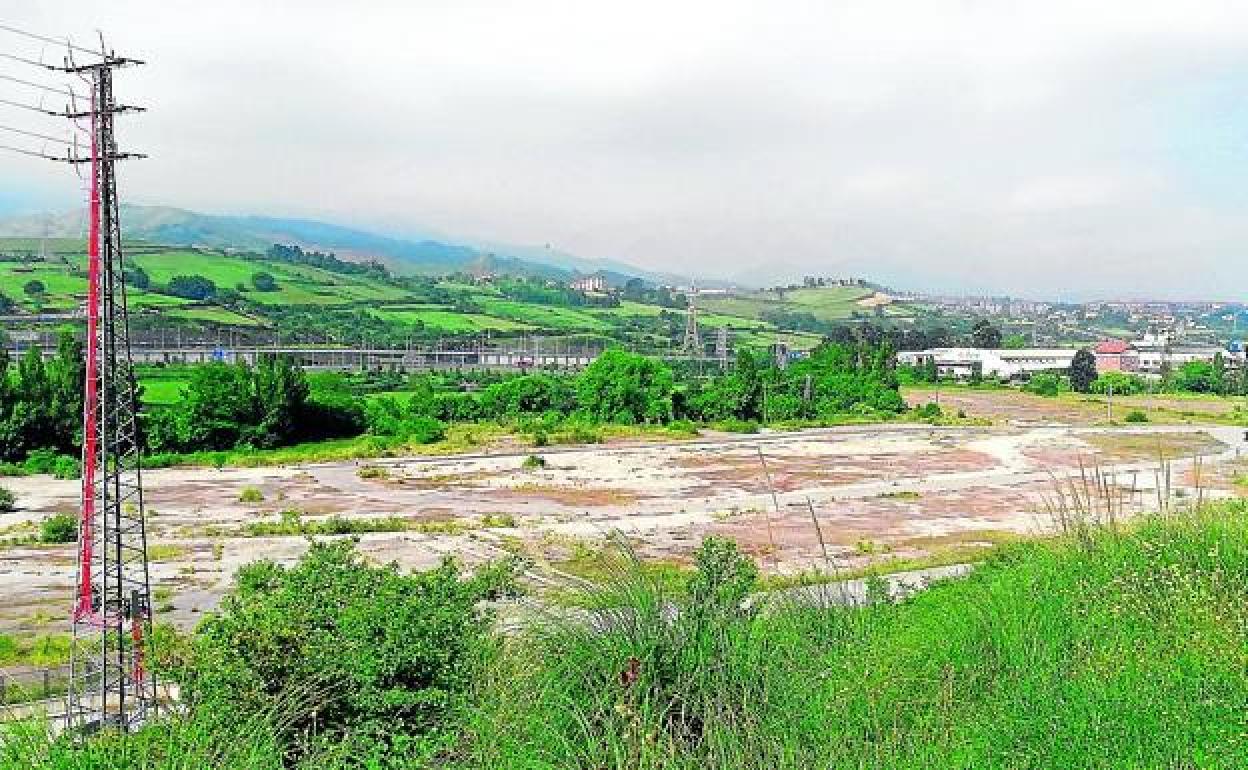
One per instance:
(693, 341)
(721, 346)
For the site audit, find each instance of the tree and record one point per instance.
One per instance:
(1082, 371)
(263, 281)
(195, 287)
(626, 388)
(34, 288)
(1015, 342)
(138, 277)
(985, 335)
(1196, 377)
(6, 303)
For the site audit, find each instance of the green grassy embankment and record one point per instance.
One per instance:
(1118, 650)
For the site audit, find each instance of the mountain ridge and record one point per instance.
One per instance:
(173, 226)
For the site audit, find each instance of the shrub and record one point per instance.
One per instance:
(373, 472)
(738, 426)
(928, 411)
(59, 528)
(41, 460)
(7, 500)
(385, 658)
(67, 467)
(250, 495)
(1135, 415)
(1044, 384)
(683, 427)
(426, 430)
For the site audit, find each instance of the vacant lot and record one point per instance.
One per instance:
(848, 497)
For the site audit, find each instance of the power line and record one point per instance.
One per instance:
(35, 135)
(31, 153)
(42, 87)
(32, 108)
(31, 62)
(53, 41)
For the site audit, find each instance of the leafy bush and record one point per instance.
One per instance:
(59, 528)
(928, 411)
(7, 500)
(251, 495)
(373, 472)
(1135, 415)
(67, 467)
(45, 460)
(381, 661)
(1044, 384)
(1122, 383)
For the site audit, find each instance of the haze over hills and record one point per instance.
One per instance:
(181, 227)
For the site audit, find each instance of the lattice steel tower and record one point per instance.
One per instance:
(693, 339)
(110, 683)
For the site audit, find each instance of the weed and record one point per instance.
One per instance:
(533, 462)
(379, 472)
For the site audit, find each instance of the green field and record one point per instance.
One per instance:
(218, 315)
(545, 316)
(832, 303)
(297, 284)
(444, 319)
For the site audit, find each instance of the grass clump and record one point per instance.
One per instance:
(251, 495)
(41, 650)
(496, 520)
(379, 472)
(59, 528)
(1136, 415)
(533, 462)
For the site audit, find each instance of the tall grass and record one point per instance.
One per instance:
(1111, 649)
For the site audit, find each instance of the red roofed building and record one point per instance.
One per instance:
(1116, 356)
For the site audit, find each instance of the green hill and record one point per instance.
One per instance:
(316, 297)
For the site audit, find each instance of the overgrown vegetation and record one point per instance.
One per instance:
(1110, 648)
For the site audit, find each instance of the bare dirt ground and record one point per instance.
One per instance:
(1072, 409)
(873, 492)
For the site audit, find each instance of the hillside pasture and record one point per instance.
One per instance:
(545, 316)
(445, 319)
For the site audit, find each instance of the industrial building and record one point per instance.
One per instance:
(962, 363)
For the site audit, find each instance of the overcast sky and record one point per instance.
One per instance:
(1043, 149)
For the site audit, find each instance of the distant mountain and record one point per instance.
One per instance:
(179, 227)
